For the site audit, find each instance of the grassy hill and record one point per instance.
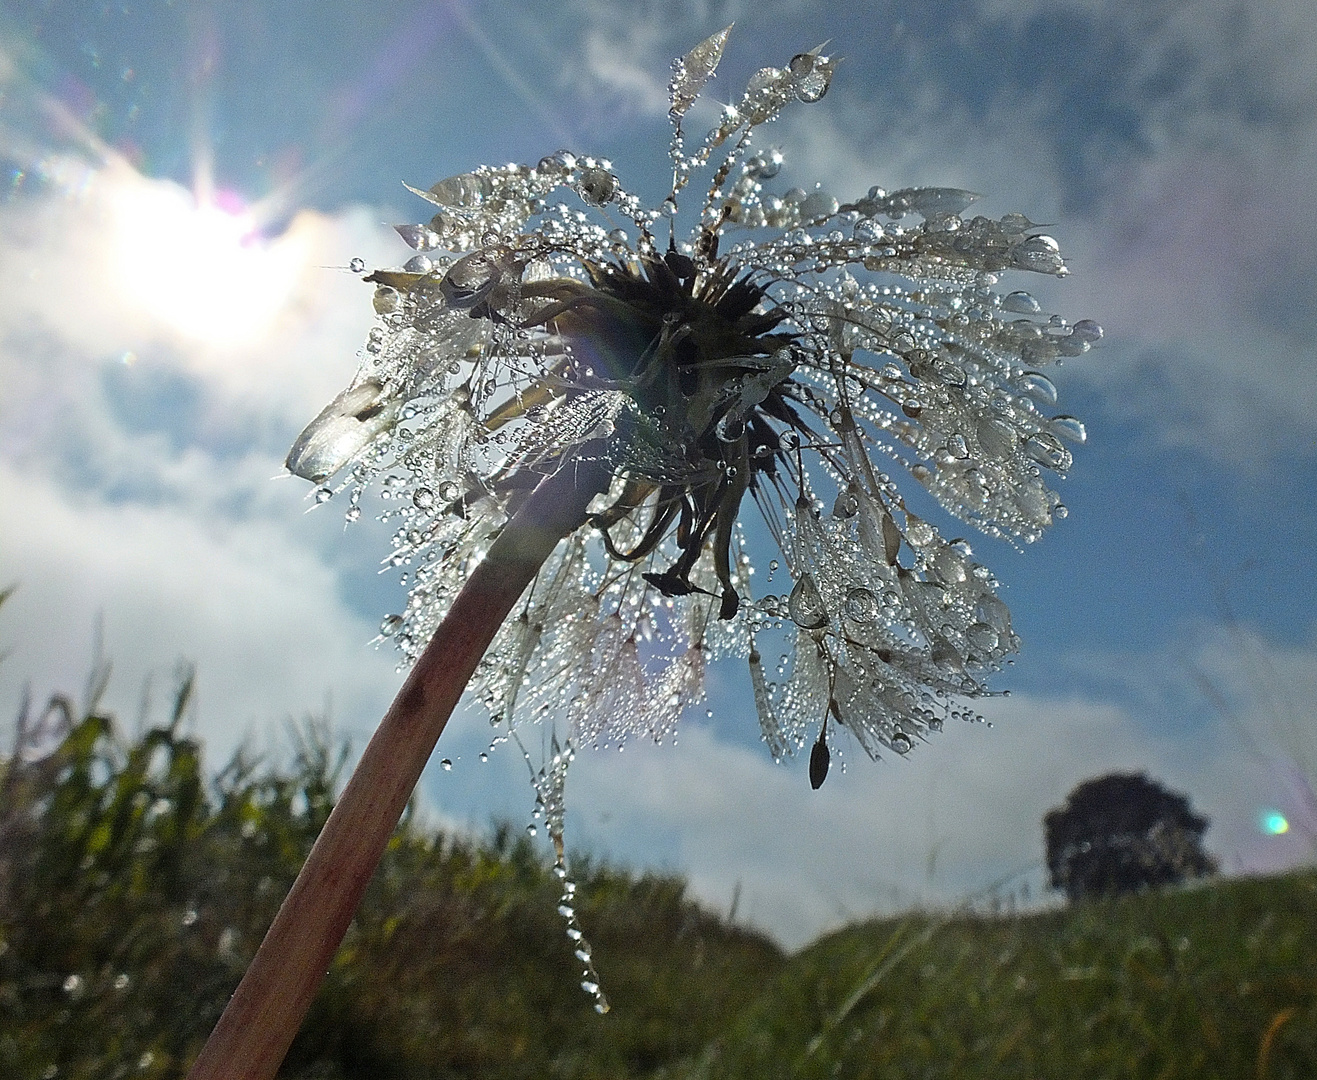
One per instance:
(134, 887)
(1215, 981)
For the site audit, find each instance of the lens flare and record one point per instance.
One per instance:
(1274, 823)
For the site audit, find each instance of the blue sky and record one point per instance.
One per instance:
(154, 368)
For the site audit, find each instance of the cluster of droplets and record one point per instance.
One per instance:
(891, 344)
(550, 781)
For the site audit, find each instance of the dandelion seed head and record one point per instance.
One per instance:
(785, 359)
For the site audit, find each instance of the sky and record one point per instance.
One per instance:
(185, 184)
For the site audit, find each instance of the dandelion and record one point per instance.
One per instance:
(585, 415)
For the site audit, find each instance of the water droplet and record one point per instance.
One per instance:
(357, 265)
(484, 756)
(1038, 386)
(1087, 330)
(462, 191)
(1047, 450)
(950, 567)
(981, 636)
(1021, 303)
(190, 917)
(764, 165)
(324, 494)
(846, 506)
(596, 186)
(902, 743)
(423, 498)
(532, 830)
(1069, 427)
(861, 605)
(386, 300)
(944, 655)
(729, 429)
(73, 984)
(448, 491)
(353, 514)
(957, 447)
(390, 625)
(805, 605)
(446, 764)
(1060, 510)
(817, 204)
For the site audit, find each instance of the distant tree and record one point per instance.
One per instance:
(1122, 833)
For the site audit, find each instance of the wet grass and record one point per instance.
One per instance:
(1214, 981)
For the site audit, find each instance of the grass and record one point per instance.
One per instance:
(1215, 981)
(134, 887)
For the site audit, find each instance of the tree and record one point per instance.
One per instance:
(1123, 833)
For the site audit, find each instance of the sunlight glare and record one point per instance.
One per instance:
(202, 268)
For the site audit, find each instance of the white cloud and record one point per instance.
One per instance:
(959, 814)
(262, 616)
(158, 510)
(1196, 255)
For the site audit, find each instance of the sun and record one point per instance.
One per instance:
(201, 266)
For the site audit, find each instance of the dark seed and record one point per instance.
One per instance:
(819, 760)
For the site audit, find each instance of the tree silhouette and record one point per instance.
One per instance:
(1123, 833)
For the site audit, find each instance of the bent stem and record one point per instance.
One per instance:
(263, 1016)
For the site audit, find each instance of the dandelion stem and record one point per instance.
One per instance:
(265, 1012)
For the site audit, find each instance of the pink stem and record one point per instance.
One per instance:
(265, 1012)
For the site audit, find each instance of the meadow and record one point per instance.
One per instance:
(135, 886)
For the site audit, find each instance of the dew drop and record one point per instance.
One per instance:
(902, 743)
(390, 625)
(1069, 427)
(446, 764)
(324, 494)
(357, 265)
(805, 604)
(423, 498)
(1038, 386)
(596, 186)
(1021, 303)
(448, 491)
(1047, 451)
(861, 605)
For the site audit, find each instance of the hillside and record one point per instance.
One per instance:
(1214, 981)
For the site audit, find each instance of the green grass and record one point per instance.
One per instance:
(134, 890)
(134, 887)
(1214, 981)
